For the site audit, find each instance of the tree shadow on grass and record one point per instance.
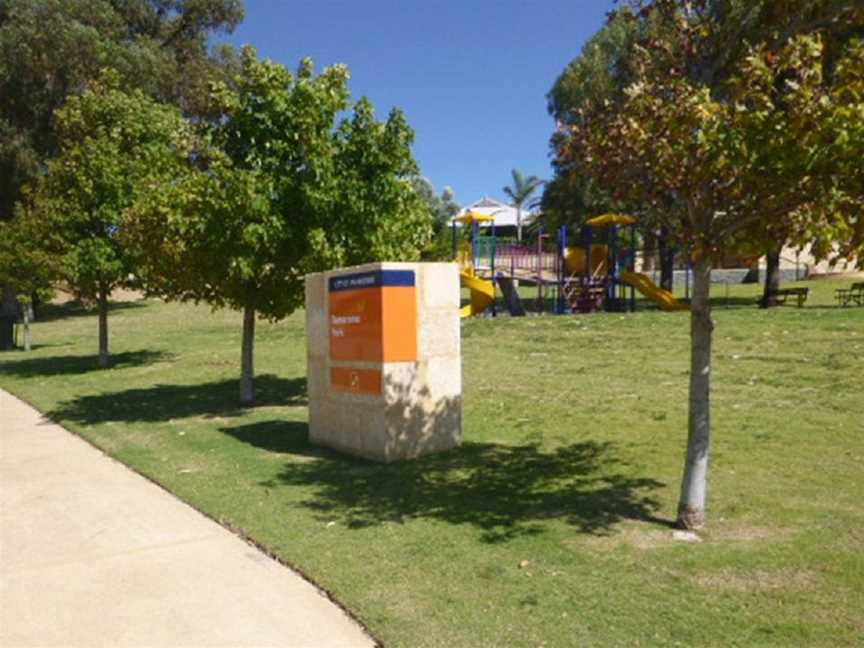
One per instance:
(76, 364)
(281, 437)
(504, 491)
(51, 312)
(167, 402)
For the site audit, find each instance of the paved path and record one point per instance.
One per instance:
(92, 554)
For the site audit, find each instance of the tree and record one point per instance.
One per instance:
(49, 50)
(442, 207)
(25, 267)
(111, 145)
(704, 41)
(740, 157)
(603, 69)
(282, 190)
(519, 193)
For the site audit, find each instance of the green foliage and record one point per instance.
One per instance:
(112, 145)
(519, 193)
(600, 71)
(724, 155)
(281, 190)
(569, 199)
(686, 52)
(443, 207)
(25, 266)
(522, 188)
(49, 50)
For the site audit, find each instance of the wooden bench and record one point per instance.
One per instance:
(851, 295)
(780, 296)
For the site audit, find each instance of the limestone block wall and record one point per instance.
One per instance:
(384, 359)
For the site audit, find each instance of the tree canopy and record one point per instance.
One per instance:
(50, 49)
(443, 207)
(519, 192)
(282, 188)
(113, 145)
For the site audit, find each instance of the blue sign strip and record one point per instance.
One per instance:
(373, 279)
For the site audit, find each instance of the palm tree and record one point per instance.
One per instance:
(519, 192)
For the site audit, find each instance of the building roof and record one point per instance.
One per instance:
(504, 215)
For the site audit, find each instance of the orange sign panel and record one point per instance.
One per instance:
(356, 381)
(373, 317)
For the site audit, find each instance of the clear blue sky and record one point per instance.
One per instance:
(470, 75)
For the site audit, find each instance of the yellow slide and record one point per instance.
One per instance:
(482, 294)
(654, 292)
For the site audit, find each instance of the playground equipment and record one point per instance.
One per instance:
(644, 285)
(604, 284)
(482, 290)
(482, 294)
(598, 273)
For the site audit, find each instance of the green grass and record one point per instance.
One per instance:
(550, 525)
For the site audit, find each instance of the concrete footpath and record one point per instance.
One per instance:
(92, 554)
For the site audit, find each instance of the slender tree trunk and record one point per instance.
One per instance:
(8, 311)
(772, 276)
(519, 223)
(694, 484)
(649, 251)
(247, 370)
(103, 329)
(9, 302)
(667, 261)
(26, 315)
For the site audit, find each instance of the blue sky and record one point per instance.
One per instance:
(471, 76)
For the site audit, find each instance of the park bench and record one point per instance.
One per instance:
(851, 295)
(781, 295)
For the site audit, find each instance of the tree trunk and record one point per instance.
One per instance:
(103, 329)
(772, 276)
(247, 370)
(694, 484)
(519, 223)
(36, 307)
(649, 252)
(8, 312)
(26, 315)
(9, 302)
(667, 261)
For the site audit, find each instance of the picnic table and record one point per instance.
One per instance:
(852, 295)
(780, 295)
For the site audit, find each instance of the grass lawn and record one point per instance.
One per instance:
(550, 525)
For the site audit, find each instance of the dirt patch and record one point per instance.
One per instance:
(837, 617)
(63, 296)
(639, 535)
(840, 274)
(645, 535)
(789, 580)
(742, 532)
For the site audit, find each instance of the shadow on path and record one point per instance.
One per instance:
(75, 364)
(166, 402)
(505, 491)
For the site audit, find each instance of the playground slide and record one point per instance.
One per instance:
(654, 292)
(482, 294)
